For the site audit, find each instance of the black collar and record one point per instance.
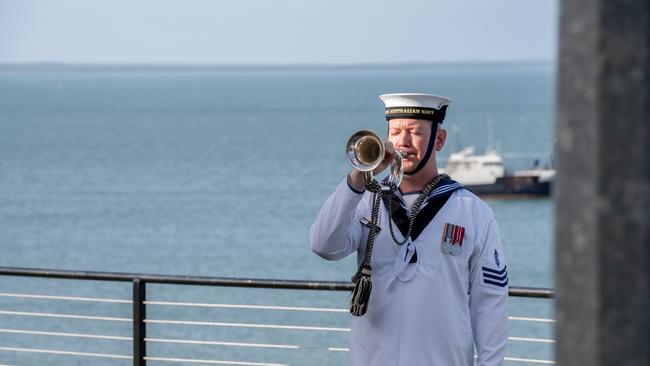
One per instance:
(438, 197)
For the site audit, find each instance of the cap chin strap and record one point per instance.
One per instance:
(427, 155)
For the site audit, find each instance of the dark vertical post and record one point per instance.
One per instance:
(603, 184)
(139, 326)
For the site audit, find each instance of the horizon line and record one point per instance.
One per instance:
(197, 65)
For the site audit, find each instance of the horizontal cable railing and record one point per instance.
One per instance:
(219, 343)
(221, 281)
(140, 320)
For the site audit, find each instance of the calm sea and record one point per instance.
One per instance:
(220, 172)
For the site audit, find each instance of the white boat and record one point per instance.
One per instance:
(485, 175)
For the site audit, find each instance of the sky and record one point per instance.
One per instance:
(270, 32)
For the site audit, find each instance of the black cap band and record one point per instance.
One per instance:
(429, 114)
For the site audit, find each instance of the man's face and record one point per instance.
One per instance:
(412, 137)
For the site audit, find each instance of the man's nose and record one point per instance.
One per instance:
(404, 139)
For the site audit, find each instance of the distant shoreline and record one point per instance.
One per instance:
(61, 66)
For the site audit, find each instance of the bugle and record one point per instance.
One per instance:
(365, 152)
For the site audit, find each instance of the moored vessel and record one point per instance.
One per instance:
(486, 175)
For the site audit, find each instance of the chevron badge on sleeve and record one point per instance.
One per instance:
(493, 274)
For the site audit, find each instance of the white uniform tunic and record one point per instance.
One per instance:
(433, 311)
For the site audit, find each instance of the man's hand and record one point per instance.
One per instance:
(356, 177)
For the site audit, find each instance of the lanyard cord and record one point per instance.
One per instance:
(361, 279)
(414, 211)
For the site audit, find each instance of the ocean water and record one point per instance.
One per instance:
(220, 172)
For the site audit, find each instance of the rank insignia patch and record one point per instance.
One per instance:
(493, 274)
(452, 239)
(495, 278)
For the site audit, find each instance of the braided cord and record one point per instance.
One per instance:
(414, 211)
(374, 187)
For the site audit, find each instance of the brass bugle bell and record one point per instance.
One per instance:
(365, 152)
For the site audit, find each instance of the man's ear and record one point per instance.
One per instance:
(441, 136)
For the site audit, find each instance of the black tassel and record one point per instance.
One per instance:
(361, 292)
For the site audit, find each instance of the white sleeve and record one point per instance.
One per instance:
(337, 232)
(488, 298)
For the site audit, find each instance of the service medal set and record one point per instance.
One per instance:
(452, 239)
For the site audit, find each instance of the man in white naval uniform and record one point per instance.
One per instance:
(445, 291)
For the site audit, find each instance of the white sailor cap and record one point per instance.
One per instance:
(415, 105)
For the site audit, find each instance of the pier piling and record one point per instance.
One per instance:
(603, 183)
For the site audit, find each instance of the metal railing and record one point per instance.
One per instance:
(139, 318)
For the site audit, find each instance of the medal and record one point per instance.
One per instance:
(452, 239)
(456, 249)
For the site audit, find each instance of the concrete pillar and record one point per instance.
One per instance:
(602, 190)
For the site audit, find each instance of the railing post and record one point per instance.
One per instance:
(139, 326)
